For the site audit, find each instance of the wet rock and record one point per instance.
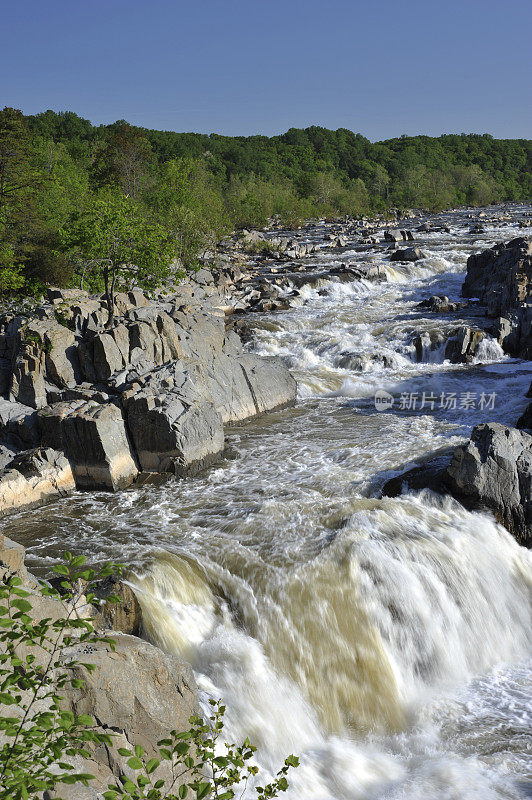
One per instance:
(461, 348)
(494, 471)
(440, 304)
(125, 616)
(360, 363)
(525, 420)
(427, 343)
(501, 278)
(409, 254)
(428, 474)
(394, 235)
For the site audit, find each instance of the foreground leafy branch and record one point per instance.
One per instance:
(39, 738)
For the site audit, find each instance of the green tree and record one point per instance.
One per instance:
(112, 240)
(18, 168)
(123, 159)
(11, 278)
(187, 201)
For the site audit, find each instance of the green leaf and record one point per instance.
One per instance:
(152, 765)
(84, 719)
(22, 605)
(183, 791)
(134, 763)
(203, 790)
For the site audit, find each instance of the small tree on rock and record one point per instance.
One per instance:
(112, 240)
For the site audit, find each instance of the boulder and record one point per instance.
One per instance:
(463, 344)
(409, 254)
(174, 427)
(135, 690)
(34, 477)
(96, 443)
(427, 474)
(439, 304)
(393, 236)
(125, 616)
(427, 344)
(494, 471)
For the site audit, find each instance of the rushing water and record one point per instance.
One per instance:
(385, 641)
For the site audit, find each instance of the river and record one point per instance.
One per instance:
(387, 642)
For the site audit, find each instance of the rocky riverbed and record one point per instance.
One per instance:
(383, 638)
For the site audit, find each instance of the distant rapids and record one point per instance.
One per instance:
(387, 642)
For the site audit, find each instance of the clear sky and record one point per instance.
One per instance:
(380, 68)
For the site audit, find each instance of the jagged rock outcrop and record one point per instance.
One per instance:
(174, 428)
(150, 392)
(96, 443)
(494, 471)
(125, 616)
(461, 344)
(501, 278)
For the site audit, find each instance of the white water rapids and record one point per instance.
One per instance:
(387, 642)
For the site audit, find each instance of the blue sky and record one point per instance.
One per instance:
(381, 68)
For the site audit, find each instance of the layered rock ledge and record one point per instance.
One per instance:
(89, 406)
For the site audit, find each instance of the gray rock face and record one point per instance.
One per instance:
(137, 690)
(95, 442)
(34, 477)
(125, 616)
(174, 427)
(168, 366)
(525, 420)
(501, 278)
(494, 471)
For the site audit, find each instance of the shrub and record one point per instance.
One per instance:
(42, 738)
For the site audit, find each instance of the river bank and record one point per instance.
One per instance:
(383, 639)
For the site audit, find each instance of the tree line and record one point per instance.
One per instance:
(76, 200)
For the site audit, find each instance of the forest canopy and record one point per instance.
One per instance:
(56, 166)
